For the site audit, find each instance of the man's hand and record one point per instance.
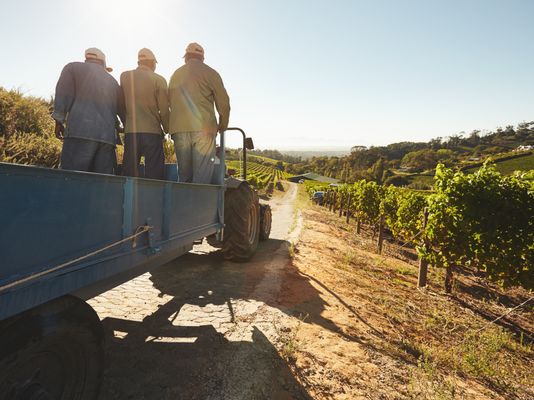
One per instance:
(119, 128)
(60, 130)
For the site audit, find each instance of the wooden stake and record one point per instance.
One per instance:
(423, 264)
(380, 234)
(334, 202)
(448, 278)
(340, 205)
(348, 208)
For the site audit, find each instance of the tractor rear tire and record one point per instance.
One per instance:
(54, 351)
(242, 223)
(265, 221)
(213, 242)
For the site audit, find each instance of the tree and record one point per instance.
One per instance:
(377, 171)
(355, 149)
(420, 160)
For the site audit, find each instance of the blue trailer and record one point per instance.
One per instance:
(67, 236)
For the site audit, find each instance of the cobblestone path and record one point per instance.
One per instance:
(202, 328)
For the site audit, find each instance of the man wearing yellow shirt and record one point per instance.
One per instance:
(147, 117)
(194, 90)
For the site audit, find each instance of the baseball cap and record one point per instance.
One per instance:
(93, 53)
(146, 54)
(194, 48)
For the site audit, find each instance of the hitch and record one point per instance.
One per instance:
(151, 248)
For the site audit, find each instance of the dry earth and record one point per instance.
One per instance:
(369, 334)
(315, 314)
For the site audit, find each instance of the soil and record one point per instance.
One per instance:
(370, 334)
(314, 315)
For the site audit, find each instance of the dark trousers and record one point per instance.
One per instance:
(88, 155)
(149, 145)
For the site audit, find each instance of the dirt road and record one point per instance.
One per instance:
(201, 328)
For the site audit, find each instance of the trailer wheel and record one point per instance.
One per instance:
(265, 221)
(242, 223)
(54, 351)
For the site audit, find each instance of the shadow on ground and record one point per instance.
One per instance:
(156, 358)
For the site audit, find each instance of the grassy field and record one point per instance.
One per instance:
(509, 166)
(420, 179)
(506, 167)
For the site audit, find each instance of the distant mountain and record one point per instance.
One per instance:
(307, 154)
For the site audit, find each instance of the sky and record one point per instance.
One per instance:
(304, 74)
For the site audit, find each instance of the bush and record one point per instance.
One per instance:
(20, 113)
(169, 151)
(396, 180)
(417, 185)
(30, 149)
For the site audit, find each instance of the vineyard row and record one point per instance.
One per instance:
(260, 176)
(483, 220)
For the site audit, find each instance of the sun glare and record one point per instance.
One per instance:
(128, 14)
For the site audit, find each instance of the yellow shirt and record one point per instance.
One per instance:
(147, 104)
(194, 90)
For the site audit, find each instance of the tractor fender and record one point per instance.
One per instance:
(233, 183)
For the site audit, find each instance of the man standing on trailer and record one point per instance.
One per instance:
(147, 117)
(194, 90)
(86, 105)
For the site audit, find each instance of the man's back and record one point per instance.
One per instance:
(88, 98)
(147, 106)
(193, 90)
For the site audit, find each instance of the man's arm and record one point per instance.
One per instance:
(162, 99)
(64, 96)
(121, 105)
(222, 102)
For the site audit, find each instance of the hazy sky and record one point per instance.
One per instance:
(304, 74)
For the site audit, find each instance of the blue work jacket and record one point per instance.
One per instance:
(88, 99)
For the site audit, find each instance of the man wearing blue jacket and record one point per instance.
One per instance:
(87, 102)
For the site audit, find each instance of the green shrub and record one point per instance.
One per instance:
(30, 149)
(396, 180)
(20, 113)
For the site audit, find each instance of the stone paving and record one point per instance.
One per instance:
(202, 328)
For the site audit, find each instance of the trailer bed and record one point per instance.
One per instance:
(50, 217)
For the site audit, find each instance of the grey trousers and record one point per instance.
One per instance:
(195, 155)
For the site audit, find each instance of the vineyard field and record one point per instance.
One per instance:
(261, 176)
(459, 230)
(516, 164)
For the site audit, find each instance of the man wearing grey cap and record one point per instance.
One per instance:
(147, 117)
(86, 105)
(194, 90)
